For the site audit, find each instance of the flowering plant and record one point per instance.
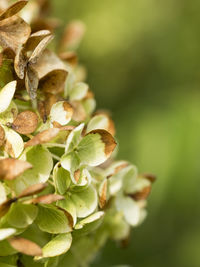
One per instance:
(62, 195)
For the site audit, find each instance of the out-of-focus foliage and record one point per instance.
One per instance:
(143, 60)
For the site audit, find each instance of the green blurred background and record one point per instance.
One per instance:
(143, 61)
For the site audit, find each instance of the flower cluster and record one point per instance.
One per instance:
(62, 195)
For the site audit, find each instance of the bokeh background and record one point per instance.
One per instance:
(143, 61)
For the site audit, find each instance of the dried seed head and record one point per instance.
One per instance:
(12, 168)
(26, 122)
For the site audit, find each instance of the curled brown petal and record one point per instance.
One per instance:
(25, 246)
(14, 32)
(31, 82)
(2, 136)
(47, 199)
(13, 9)
(143, 194)
(11, 168)
(103, 194)
(43, 137)
(4, 207)
(26, 122)
(33, 189)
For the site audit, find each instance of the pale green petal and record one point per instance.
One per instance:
(79, 91)
(140, 184)
(14, 143)
(85, 201)
(21, 215)
(92, 218)
(70, 162)
(98, 122)
(6, 232)
(89, 105)
(61, 112)
(41, 160)
(92, 149)
(61, 179)
(74, 138)
(52, 220)
(6, 95)
(68, 205)
(57, 246)
(130, 209)
(9, 114)
(2, 193)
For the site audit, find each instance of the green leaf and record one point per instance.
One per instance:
(57, 246)
(21, 215)
(6, 232)
(6, 95)
(79, 91)
(74, 138)
(96, 147)
(52, 220)
(41, 160)
(61, 178)
(85, 201)
(6, 72)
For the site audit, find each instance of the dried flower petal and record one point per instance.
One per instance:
(43, 137)
(25, 246)
(33, 189)
(26, 122)
(2, 136)
(13, 9)
(47, 199)
(12, 168)
(14, 32)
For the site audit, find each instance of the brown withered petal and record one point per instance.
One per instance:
(33, 189)
(103, 194)
(77, 175)
(31, 82)
(50, 99)
(11, 168)
(35, 38)
(13, 9)
(54, 81)
(69, 217)
(70, 57)
(14, 32)
(72, 36)
(20, 62)
(2, 136)
(26, 122)
(143, 194)
(47, 63)
(148, 176)
(107, 139)
(4, 207)
(25, 246)
(43, 137)
(45, 23)
(3, 5)
(111, 125)
(39, 49)
(47, 199)
(42, 111)
(79, 111)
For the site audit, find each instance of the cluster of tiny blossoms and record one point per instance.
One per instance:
(62, 195)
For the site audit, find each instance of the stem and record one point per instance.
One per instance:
(55, 157)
